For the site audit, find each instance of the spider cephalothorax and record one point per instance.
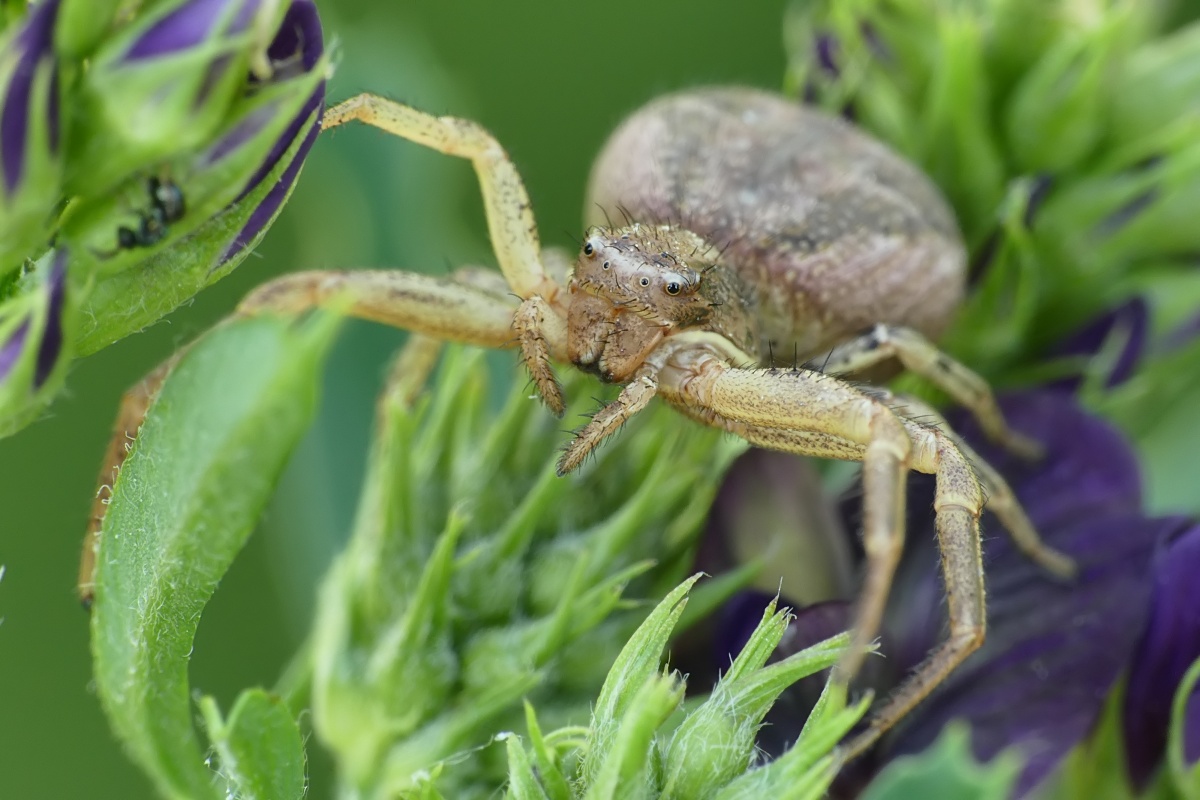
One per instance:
(635, 286)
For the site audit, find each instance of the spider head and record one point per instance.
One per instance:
(633, 287)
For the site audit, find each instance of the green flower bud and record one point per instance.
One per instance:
(1159, 84)
(83, 25)
(227, 194)
(1058, 111)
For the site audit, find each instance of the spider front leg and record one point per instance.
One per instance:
(921, 356)
(511, 223)
(809, 413)
(812, 414)
(471, 308)
(634, 397)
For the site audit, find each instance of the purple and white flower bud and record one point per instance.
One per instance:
(165, 85)
(235, 186)
(35, 325)
(30, 135)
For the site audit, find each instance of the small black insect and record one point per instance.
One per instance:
(166, 206)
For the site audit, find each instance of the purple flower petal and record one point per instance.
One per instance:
(825, 51)
(298, 43)
(265, 210)
(1129, 321)
(33, 43)
(185, 26)
(776, 503)
(1053, 651)
(299, 35)
(1170, 644)
(52, 333)
(1089, 468)
(10, 351)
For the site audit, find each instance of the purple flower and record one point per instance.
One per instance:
(1053, 652)
(1169, 645)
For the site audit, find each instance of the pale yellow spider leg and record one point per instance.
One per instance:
(958, 501)
(537, 326)
(511, 223)
(471, 308)
(634, 397)
(1001, 500)
(723, 395)
(812, 414)
(921, 356)
(410, 371)
(451, 309)
(510, 218)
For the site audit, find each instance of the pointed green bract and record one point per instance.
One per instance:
(476, 578)
(630, 752)
(259, 750)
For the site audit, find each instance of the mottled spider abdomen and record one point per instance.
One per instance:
(832, 230)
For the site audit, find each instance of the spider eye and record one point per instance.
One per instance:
(588, 249)
(672, 288)
(605, 265)
(644, 281)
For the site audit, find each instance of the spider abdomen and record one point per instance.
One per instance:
(831, 230)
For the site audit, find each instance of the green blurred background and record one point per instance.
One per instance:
(550, 80)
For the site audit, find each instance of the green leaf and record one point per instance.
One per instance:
(184, 503)
(1187, 777)
(626, 765)
(523, 781)
(259, 748)
(947, 771)
(716, 741)
(635, 666)
(552, 778)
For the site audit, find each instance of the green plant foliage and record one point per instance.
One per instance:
(1067, 138)
(946, 771)
(627, 751)
(1185, 775)
(476, 577)
(187, 497)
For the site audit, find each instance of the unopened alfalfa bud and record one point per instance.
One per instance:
(164, 85)
(1059, 110)
(1158, 86)
(36, 327)
(83, 25)
(232, 189)
(30, 136)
